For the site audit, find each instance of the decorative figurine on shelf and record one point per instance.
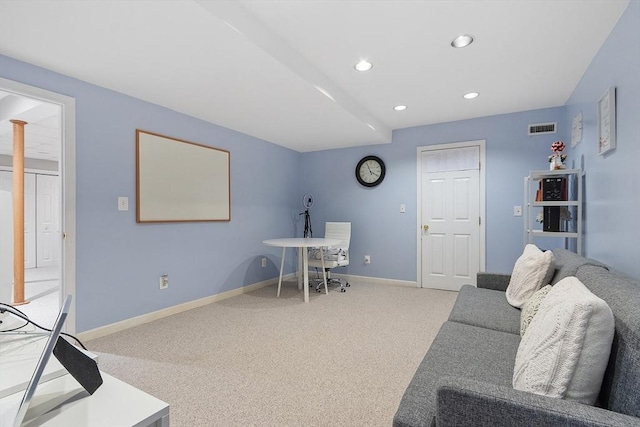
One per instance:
(556, 160)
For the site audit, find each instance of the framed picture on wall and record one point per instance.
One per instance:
(607, 121)
(576, 129)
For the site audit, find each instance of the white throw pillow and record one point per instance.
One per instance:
(532, 270)
(565, 351)
(530, 308)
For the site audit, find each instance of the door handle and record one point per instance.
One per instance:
(425, 228)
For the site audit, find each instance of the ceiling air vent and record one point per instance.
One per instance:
(543, 128)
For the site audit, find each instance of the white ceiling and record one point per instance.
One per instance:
(42, 132)
(283, 71)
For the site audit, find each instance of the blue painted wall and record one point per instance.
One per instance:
(612, 181)
(378, 227)
(119, 261)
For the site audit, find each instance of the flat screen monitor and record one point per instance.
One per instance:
(42, 362)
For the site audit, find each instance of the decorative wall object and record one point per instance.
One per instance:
(607, 121)
(180, 181)
(576, 130)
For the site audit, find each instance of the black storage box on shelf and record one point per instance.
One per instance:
(551, 218)
(553, 190)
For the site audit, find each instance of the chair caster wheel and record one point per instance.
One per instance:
(343, 290)
(348, 285)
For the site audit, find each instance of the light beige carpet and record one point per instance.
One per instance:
(344, 359)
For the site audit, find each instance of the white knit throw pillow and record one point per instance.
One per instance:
(530, 308)
(565, 350)
(532, 270)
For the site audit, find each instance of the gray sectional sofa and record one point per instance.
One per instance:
(465, 379)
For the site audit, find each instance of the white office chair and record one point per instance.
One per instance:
(335, 256)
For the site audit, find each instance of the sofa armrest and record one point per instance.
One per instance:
(463, 401)
(495, 281)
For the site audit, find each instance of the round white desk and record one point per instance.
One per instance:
(302, 243)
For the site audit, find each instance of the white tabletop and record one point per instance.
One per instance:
(303, 262)
(301, 242)
(60, 399)
(115, 403)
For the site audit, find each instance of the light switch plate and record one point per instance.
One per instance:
(403, 208)
(123, 203)
(517, 211)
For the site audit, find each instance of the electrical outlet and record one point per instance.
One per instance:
(164, 281)
(264, 262)
(367, 259)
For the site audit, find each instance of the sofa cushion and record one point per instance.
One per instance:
(458, 350)
(495, 281)
(566, 348)
(486, 308)
(567, 264)
(463, 402)
(533, 269)
(620, 385)
(530, 308)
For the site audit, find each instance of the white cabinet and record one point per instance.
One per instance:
(553, 207)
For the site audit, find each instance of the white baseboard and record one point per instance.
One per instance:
(377, 280)
(155, 315)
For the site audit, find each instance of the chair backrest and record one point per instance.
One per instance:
(340, 231)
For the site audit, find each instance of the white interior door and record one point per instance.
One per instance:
(48, 220)
(29, 215)
(450, 207)
(6, 236)
(30, 225)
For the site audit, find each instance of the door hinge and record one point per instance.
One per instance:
(479, 220)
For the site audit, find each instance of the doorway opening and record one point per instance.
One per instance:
(49, 207)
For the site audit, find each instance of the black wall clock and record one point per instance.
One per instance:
(370, 171)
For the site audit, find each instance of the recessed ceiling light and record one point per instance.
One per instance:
(462, 41)
(470, 95)
(363, 65)
(400, 107)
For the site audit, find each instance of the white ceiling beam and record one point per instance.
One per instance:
(233, 14)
